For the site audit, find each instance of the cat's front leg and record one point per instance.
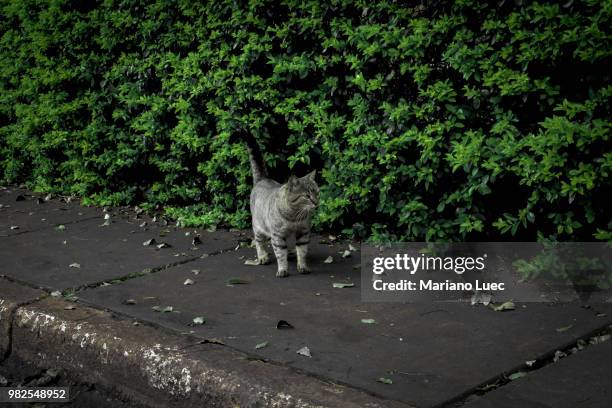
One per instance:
(301, 247)
(260, 245)
(279, 244)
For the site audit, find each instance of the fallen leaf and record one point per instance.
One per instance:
(530, 363)
(69, 308)
(481, 297)
(188, 282)
(163, 245)
(352, 248)
(60, 227)
(304, 351)
(261, 345)
(129, 302)
(198, 320)
(237, 281)
(368, 321)
(558, 355)
(251, 262)
(503, 306)
(195, 271)
(328, 260)
(332, 238)
(14, 227)
(149, 242)
(564, 328)
(143, 224)
(56, 293)
(212, 341)
(75, 265)
(346, 254)
(107, 216)
(517, 375)
(283, 324)
(384, 380)
(166, 309)
(341, 285)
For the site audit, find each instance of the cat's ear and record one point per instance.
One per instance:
(293, 181)
(311, 175)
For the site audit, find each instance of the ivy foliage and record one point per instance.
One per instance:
(450, 120)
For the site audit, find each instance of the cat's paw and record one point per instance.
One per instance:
(282, 273)
(264, 260)
(303, 269)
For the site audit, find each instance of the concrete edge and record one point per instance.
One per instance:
(153, 368)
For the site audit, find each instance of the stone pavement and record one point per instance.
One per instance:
(539, 355)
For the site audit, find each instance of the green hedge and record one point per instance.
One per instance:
(447, 120)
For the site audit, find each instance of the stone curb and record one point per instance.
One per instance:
(151, 367)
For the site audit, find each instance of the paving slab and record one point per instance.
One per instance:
(99, 253)
(581, 380)
(12, 296)
(149, 367)
(431, 352)
(21, 212)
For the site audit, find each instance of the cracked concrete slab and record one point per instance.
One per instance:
(161, 369)
(32, 212)
(432, 353)
(12, 296)
(581, 380)
(87, 252)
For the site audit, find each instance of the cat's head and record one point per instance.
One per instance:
(302, 193)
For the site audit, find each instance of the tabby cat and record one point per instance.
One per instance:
(281, 212)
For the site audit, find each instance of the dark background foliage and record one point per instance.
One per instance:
(441, 120)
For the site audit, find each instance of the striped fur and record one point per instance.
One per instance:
(281, 212)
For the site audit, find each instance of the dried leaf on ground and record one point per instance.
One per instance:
(304, 351)
(342, 285)
(283, 324)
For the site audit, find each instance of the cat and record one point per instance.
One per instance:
(280, 212)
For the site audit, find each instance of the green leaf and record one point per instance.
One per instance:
(503, 306)
(342, 285)
(517, 375)
(368, 321)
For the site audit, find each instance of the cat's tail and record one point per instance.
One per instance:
(258, 167)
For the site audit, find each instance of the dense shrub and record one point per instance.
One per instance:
(450, 120)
